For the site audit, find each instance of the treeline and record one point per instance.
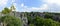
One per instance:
(42, 19)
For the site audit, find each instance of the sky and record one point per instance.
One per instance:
(32, 5)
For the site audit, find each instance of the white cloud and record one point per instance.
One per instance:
(22, 5)
(13, 0)
(53, 5)
(27, 9)
(52, 1)
(42, 7)
(38, 9)
(3, 2)
(49, 5)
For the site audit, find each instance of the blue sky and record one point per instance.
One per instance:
(32, 5)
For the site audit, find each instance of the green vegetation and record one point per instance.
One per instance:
(6, 10)
(39, 21)
(11, 21)
(31, 24)
(8, 20)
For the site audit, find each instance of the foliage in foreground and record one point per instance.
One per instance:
(11, 21)
(39, 21)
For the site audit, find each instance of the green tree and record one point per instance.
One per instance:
(11, 21)
(47, 15)
(31, 24)
(6, 10)
(39, 21)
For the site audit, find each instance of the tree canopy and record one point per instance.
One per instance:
(6, 10)
(11, 21)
